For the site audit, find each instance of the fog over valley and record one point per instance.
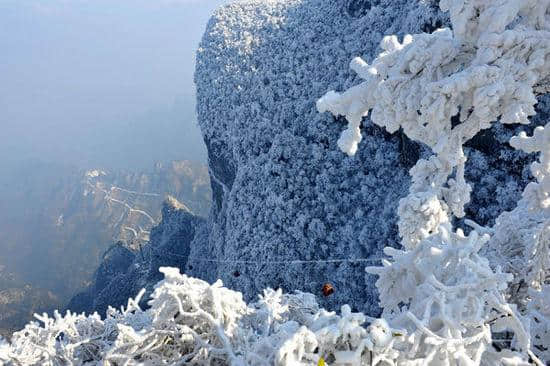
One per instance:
(91, 86)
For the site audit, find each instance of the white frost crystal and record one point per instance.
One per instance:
(192, 322)
(537, 193)
(521, 242)
(539, 313)
(446, 296)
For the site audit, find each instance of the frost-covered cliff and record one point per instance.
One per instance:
(282, 190)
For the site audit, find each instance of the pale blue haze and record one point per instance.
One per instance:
(84, 80)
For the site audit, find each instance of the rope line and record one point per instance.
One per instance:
(288, 262)
(190, 259)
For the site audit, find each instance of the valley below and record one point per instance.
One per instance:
(62, 220)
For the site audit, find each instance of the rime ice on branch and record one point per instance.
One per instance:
(442, 89)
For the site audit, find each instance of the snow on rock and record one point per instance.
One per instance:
(282, 191)
(95, 173)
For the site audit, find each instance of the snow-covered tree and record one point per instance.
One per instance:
(442, 89)
(193, 323)
(484, 70)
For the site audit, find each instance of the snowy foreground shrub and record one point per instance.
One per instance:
(192, 322)
(448, 298)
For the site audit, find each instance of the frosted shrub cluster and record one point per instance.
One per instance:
(452, 299)
(192, 322)
(448, 298)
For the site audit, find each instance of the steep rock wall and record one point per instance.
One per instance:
(282, 190)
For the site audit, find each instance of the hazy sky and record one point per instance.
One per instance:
(74, 70)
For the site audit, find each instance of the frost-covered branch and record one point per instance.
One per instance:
(442, 89)
(193, 323)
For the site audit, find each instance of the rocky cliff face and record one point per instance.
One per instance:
(282, 191)
(288, 208)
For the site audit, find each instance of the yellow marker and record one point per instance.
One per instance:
(321, 362)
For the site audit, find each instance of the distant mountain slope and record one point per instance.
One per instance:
(57, 221)
(129, 203)
(20, 301)
(123, 274)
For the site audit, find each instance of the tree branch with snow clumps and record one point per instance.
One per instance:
(442, 89)
(193, 323)
(484, 70)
